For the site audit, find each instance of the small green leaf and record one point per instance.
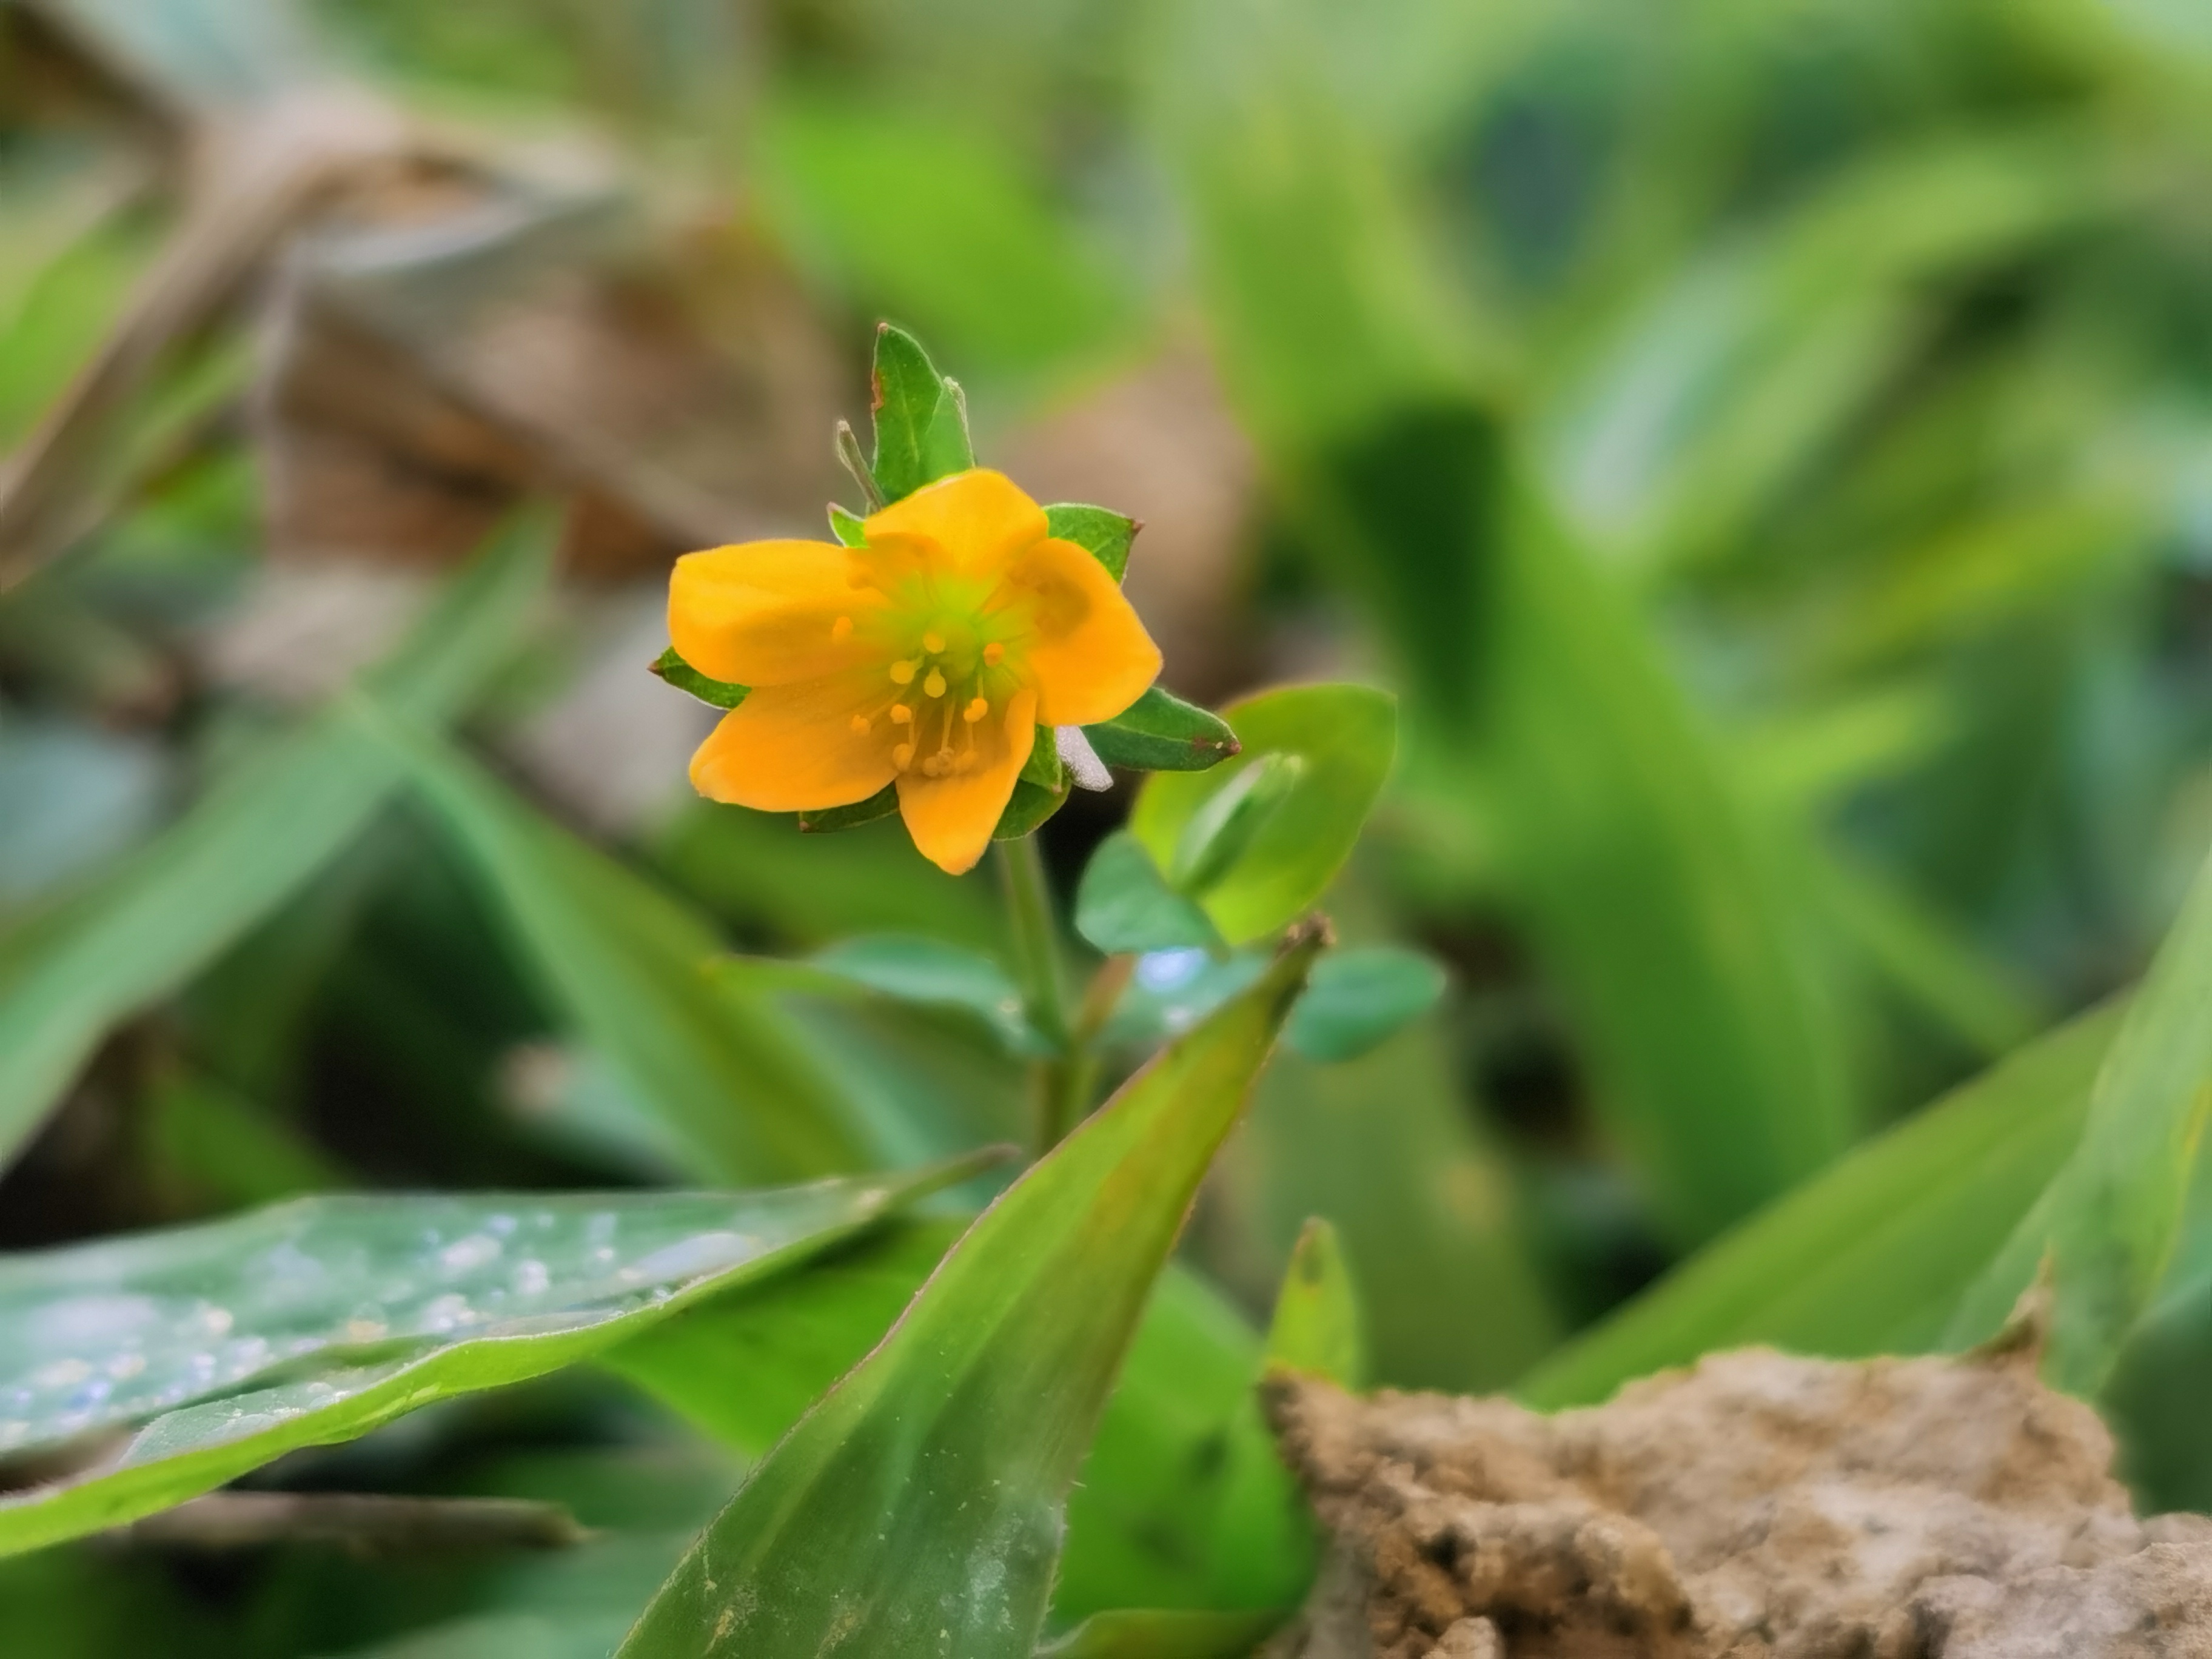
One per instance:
(1044, 767)
(1031, 806)
(934, 1475)
(1103, 533)
(1316, 1327)
(1124, 904)
(1160, 732)
(922, 418)
(849, 528)
(685, 677)
(1164, 1634)
(1344, 736)
(2106, 1228)
(1359, 997)
(881, 805)
(314, 1321)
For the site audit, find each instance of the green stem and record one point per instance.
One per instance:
(1060, 1081)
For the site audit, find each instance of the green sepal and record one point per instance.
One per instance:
(1161, 732)
(921, 417)
(685, 677)
(1103, 533)
(1044, 767)
(881, 805)
(849, 528)
(1030, 806)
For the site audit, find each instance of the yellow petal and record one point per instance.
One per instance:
(1086, 652)
(950, 819)
(793, 749)
(766, 613)
(978, 520)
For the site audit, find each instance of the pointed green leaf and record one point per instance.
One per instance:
(1316, 1327)
(1343, 737)
(1160, 732)
(881, 805)
(1872, 1255)
(1103, 533)
(2107, 1227)
(252, 842)
(1124, 904)
(235, 1341)
(1359, 997)
(921, 420)
(934, 973)
(934, 1475)
(685, 677)
(1167, 1634)
(732, 1081)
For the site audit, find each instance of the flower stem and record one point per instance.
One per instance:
(1060, 1081)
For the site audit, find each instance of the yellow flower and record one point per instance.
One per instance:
(928, 657)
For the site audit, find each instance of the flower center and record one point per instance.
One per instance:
(948, 672)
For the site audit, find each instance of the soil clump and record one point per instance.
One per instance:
(1756, 1506)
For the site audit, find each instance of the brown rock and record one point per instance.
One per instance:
(1758, 1506)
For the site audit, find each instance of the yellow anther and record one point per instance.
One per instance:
(933, 767)
(841, 629)
(903, 757)
(934, 684)
(902, 672)
(901, 713)
(994, 654)
(976, 708)
(933, 642)
(860, 726)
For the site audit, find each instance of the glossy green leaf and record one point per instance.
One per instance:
(310, 1324)
(731, 1081)
(1872, 1255)
(1343, 737)
(1228, 820)
(2106, 1229)
(881, 805)
(789, 1337)
(934, 1474)
(1161, 732)
(1164, 1634)
(1104, 534)
(1359, 997)
(253, 841)
(720, 693)
(922, 423)
(1124, 904)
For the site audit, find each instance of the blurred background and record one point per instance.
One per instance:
(1768, 448)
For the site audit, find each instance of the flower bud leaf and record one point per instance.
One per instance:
(685, 677)
(1032, 804)
(1100, 532)
(849, 528)
(1161, 732)
(922, 418)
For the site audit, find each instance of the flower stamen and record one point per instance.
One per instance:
(901, 713)
(933, 642)
(902, 755)
(841, 629)
(902, 672)
(861, 723)
(934, 684)
(976, 708)
(994, 654)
